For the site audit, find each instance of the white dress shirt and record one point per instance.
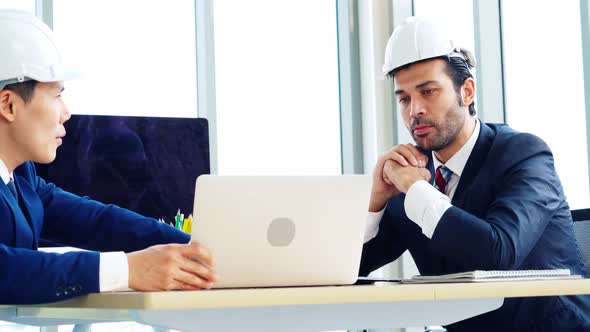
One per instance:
(424, 204)
(113, 269)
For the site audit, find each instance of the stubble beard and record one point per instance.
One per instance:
(445, 132)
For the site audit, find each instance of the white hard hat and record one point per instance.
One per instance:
(28, 50)
(414, 40)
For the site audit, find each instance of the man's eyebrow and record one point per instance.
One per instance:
(60, 88)
(421, 85)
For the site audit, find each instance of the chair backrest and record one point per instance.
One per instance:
(582, 230)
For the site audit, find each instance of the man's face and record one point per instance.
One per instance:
(38, 126)
(429, 104)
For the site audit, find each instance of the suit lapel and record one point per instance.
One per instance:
(430, 166)
(23, 233)
(474, 162)
(26, 205)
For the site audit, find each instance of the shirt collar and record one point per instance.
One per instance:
(458, 161)
(4, 172)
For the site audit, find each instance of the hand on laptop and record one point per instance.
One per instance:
(171, 266)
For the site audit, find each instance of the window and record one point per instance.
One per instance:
(544, 85)
(28, 5)
(277, 87)
(135, 57)
(455, 15)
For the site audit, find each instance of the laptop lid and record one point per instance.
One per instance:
(267, 231)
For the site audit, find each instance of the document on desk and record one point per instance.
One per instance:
(495, 276)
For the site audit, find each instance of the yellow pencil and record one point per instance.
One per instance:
(189, 224)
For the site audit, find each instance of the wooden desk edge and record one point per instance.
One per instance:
(235, 298)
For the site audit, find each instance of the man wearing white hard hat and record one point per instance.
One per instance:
(469, 195)
(32, 114)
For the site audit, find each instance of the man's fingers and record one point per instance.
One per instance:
(414, 155)
(171, 266)
(388, 170)
(386, 179)
(400, 159)
(407, 154)
(192, 280)
(191, 266)
(199, 252)
(388, 166)
(420, 157)
(183, 286)
(394, 154)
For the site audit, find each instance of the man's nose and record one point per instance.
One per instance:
(65, 114)
(417, 108)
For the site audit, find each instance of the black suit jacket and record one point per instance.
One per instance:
(509, 213)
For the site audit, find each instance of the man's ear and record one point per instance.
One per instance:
(468, 91)
(7, 109)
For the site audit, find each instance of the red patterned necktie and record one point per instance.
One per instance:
(441, 177)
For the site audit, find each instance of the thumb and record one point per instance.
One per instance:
(425, 174)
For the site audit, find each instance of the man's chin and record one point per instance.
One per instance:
(46, 159)
(428, 145)
(422, 143)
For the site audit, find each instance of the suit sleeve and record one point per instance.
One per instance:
(528, 192)
(84, 223)
(29, 276)
(383, 248)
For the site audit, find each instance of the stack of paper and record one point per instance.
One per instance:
(487, 276)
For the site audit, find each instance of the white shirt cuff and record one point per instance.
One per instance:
(425, 206)
(372, 228)
(113, 271)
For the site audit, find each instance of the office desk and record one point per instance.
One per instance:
(295, 308)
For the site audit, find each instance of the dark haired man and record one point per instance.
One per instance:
(138, 252)
(470, 195)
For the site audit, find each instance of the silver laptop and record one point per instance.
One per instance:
(267, 231)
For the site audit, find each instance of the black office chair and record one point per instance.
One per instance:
(582, 229)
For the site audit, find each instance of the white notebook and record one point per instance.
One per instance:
(489, 276)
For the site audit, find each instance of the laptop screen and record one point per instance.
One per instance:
(145, 164)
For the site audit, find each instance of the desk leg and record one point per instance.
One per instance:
(82, 328)
(49, 329)
(61, 316)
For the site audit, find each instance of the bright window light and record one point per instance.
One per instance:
(544, 85)
(276, 66)
(136, 57)
(28, 5)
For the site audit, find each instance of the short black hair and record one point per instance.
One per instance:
(25, 89)
(458, 69)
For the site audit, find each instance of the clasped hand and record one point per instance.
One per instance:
(404, 166)
(396, 171)
(403, 177)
